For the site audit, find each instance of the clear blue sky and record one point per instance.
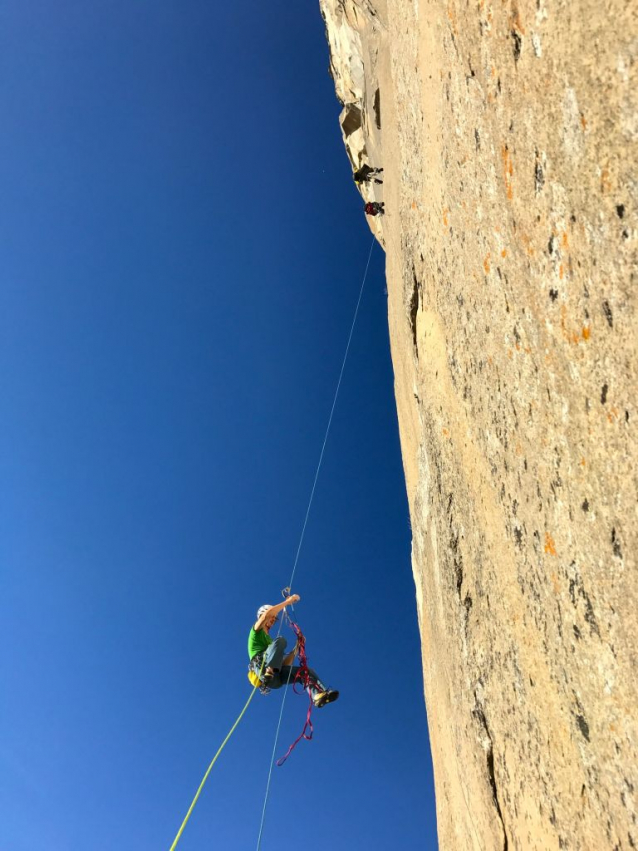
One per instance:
(182, 249)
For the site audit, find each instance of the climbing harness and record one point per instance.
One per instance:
(254, 677)
(255, 668)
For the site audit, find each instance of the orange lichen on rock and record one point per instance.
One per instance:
(527, 242)
(516, 22)
(511, 294)
(508, 171)
(451, 13)
(569, 334)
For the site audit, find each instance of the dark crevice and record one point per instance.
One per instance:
(480, 716)
(377, 108)
(609, 316)
(539, 176)
(458, 573)
(583, 726)
(518, 41)
(352, 120)
(414, 309)
(490, 769)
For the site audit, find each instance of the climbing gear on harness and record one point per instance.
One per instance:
(254, 678)
(257, 677)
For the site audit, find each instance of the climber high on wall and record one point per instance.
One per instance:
(375, 208)
(269, 663)
(365, 174)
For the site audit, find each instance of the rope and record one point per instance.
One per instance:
(332, 410)
(303, 532)
(302, 676)
(210, 767)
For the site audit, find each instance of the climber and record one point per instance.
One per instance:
(269, 662)
(364, 174)
(374, 208)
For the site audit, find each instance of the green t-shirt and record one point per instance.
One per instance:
(257, 642)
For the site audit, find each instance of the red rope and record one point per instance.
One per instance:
(302, 676)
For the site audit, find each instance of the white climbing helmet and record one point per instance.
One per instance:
(262, 610)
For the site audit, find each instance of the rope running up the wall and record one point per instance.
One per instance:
(303, 532)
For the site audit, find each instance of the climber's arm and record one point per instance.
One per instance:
(294, 598)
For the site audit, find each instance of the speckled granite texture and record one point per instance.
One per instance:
(508, 133)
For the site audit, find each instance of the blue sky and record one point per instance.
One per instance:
(182, 250)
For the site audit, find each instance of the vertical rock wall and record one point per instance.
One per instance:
(508, 132)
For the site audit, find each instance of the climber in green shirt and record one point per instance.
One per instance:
(268, 657)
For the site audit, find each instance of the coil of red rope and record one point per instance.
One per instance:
(302, 676)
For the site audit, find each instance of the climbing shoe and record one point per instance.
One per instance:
(324, 697)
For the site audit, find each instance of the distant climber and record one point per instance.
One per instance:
(375, 208)
(365, 174)
(269, 663)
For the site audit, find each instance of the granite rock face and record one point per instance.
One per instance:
(350, 30)
(354, 32)
(509, 136)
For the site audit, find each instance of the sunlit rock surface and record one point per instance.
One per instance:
(508, 133)
(354, 32)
